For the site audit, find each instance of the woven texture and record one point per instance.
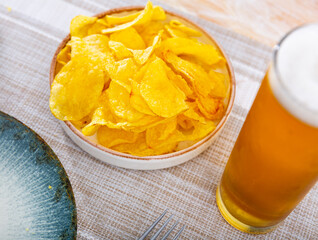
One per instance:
(114, 203)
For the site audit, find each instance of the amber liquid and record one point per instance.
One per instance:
(273, 165)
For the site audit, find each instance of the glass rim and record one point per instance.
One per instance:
(276, 69)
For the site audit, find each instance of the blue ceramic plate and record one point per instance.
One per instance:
(36, 197)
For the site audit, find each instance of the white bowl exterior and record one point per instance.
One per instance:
(133, 163)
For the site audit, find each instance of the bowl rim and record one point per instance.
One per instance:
(168, 155)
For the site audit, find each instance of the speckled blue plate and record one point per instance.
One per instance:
(36, 197)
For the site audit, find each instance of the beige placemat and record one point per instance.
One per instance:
(114, 203)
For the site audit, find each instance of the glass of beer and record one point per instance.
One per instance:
(274, 162)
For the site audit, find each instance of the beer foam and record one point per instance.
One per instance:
(294, 78)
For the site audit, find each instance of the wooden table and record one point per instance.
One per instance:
(263, 20)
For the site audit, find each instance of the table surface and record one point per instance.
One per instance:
(263, 20)
(133, 199)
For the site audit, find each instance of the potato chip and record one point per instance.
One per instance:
(122, 72)
(75, 90)
(142, 56)
(200, 130)
(103, 21)
(163, 98)
(79, 48)
(203, 52)
(111, 20)
(129, 37)
(79, 124)
(177, 29)
(184, 122)
(58, 67)
(140, 148)
(120, 104)
(210, 107)
(175, 33)
(103, 116)
(109, 137)
(80, 25)
(179, 82)
(156, 135)
(142, 124)
(96, 28)
(137, 101)
(104, 60)
(220, 89)
(194, 73)
(193, 112)
(119, 50)
(64, 55)
(141, 72)
(150, 31)
(98, 42)
(143, 18)
(158, 14)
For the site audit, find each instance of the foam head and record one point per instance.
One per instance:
(294, 73)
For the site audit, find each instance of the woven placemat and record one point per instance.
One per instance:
(114, 203)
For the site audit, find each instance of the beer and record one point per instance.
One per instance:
(274, 162)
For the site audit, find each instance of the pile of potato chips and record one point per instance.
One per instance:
(144, 83)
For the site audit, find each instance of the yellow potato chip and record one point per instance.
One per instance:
(119, 103)
(210, 107)
(103, 21)
(194, 73)
(112, 20)
(142, 56)
(79, 48)
(80, 25)
(156, 136)
(200, 130)
(137, 101)
(220, 89)
(142, 124)
(208, 54)
(175, 33)
(75, 90)
(110, 137)
(184, 122)
(64, 55)
(90, 129)
(158, 14)
(189, 32)
(193, 112)
(58, 67)
(120, 51)
(179, 82)
(162, 97)
(129, 37)
(150, 31)
(143, 18)
(98, 42)
(96, 28)
(104, 60)
(140, 148)
(141, 72)
(103, 116)
(122, 72)
(79, 124)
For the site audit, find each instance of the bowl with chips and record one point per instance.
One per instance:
(141, 88)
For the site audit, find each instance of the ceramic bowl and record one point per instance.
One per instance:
(150, 162)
